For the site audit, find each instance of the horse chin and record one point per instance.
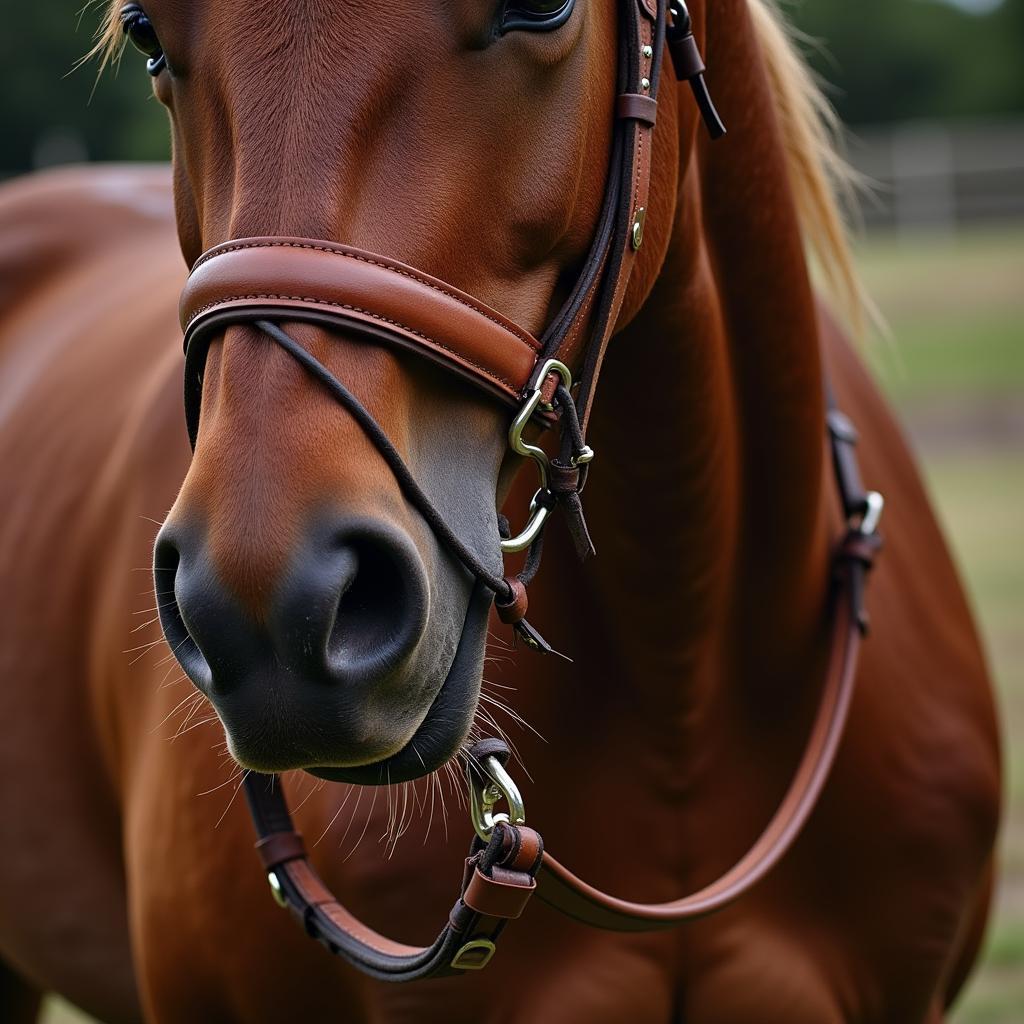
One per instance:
(444, 728)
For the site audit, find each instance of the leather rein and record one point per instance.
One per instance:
(262, 281)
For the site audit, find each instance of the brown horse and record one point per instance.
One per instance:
(320, 615)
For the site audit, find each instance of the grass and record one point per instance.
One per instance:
(955, 370)
(956, 311)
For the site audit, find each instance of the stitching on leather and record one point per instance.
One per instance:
(515, 332)
(646, 36)
(332, 902)
(584, 311)
(636, 169)
(459, 357)
(352, 934)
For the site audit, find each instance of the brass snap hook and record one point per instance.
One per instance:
(488, 784)
(539, 512)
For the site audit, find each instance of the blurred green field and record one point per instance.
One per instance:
(955, 370)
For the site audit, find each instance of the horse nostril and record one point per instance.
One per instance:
(354, 604)
(376, 606)
(381, 608)
(350, 610)
(166, 563)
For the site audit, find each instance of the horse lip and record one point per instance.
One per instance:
(440, 734)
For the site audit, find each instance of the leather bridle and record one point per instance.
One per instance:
(262, 281)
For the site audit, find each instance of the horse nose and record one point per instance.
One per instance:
(349, 609)
(354, 604)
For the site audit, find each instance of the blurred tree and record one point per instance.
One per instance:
(51, 112)
(887, 59)
(890, 60)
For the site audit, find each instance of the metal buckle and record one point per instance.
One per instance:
(474, 955)
(276, 889)
(874, 503)
(485, 793)
(538, 513)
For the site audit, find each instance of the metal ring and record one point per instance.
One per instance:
(487, 785)
(874, 504)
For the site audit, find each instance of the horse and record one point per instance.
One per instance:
(315, 614)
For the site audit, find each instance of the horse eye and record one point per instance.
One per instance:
(139, 29)
(535, 15)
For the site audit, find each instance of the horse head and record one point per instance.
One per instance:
(299, 589)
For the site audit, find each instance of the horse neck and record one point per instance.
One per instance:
(710, 497)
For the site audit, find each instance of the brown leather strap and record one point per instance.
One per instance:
(637, 107)
(560, 888)
(310, 279)
(645, 52)
(497, 883)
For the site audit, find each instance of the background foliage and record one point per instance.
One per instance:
(887, 60)
(890, 60)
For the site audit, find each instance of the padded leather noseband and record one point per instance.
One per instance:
(334, 285)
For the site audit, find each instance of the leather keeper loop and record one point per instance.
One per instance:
(686, 58)
(494, 898)
(563, 479)
(513, 611)
(530, 850)
(633, 106)
(491, 747)
(861, 547)
(280, 847)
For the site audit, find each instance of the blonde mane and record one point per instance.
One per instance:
(824, 184)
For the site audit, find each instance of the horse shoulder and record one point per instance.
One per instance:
(921, 758)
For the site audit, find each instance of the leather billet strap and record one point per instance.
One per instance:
(498, 881)
(588, 318)
(643, 58)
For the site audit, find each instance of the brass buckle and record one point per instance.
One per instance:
(276, 889)
(474, 955)
(874, 504)
(538, 513)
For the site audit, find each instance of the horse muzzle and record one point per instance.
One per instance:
(340, 673)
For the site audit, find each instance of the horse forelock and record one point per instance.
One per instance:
(108, 41)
